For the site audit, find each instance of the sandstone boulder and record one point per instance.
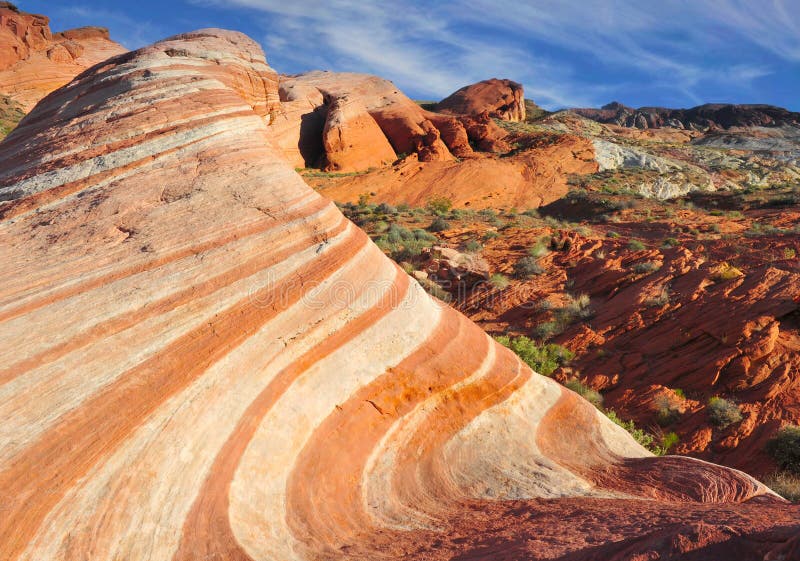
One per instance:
(501, 99)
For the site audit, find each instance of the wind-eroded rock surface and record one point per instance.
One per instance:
(202, 359)
(35, 61)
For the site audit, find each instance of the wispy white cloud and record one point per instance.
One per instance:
(432, 48)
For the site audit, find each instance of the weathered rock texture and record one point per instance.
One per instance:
(351, 122)
(202, 359)
(34, 61)
(502, 99)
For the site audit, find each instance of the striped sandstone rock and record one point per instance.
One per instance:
(203, 359)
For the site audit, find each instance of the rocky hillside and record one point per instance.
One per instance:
(35, 61)
(702, 117)
(202, 358)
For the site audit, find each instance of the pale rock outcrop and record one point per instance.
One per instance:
(611, 155)
(203, 359)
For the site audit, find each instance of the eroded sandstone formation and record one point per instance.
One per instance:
(35, 61)
(502, 99)
(202, 359)
(365, 121)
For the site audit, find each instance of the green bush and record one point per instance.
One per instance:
(385, 208)
(723, 412)
(539, 250)
(592, 396)
(473, 246)
(440, 205)
(527, 267)
(548, 329)
(784, 448)
(670, 242)
(439, 224)
(544, 358)
(646, 267)
(641, 436)
(636, 245)
(490, 235)
(499, 281)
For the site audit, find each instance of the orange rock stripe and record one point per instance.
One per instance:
(39, 476)
(324, 497)
(228, 236)
(115, 325)
(207, 533)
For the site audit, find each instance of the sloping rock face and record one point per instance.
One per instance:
(502, 99)
(703, 117)
(202, 359)
(311, 105)
(34, 61)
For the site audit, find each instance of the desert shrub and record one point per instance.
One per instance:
(668, 441)
(548, 329)
(403, 207)
(398, 234)
(577, 307)
(659, 301)
(527, 267)
(499, 281)
(439, 205)
(592, 396)
(786, 484)
(439, 224)
(789, 253)
(667, 410)
(636, 245)
(726, 272)
(473, 246)
(539, 250)
(646, 267)
(385, 208)
(784, 448)
(532, 213)
(723, 412)
(641, 436)
(612, 235)
(670, 242)
(544, 358)
(435, 290)
(363, 199)
(490, 235)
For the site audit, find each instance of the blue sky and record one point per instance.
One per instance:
(675, 53)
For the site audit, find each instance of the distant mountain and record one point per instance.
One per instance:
(702, 117)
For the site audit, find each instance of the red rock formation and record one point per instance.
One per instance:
(34, 61)
(202, 359)
(352, 139)
(528, 179)
(501, 99)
